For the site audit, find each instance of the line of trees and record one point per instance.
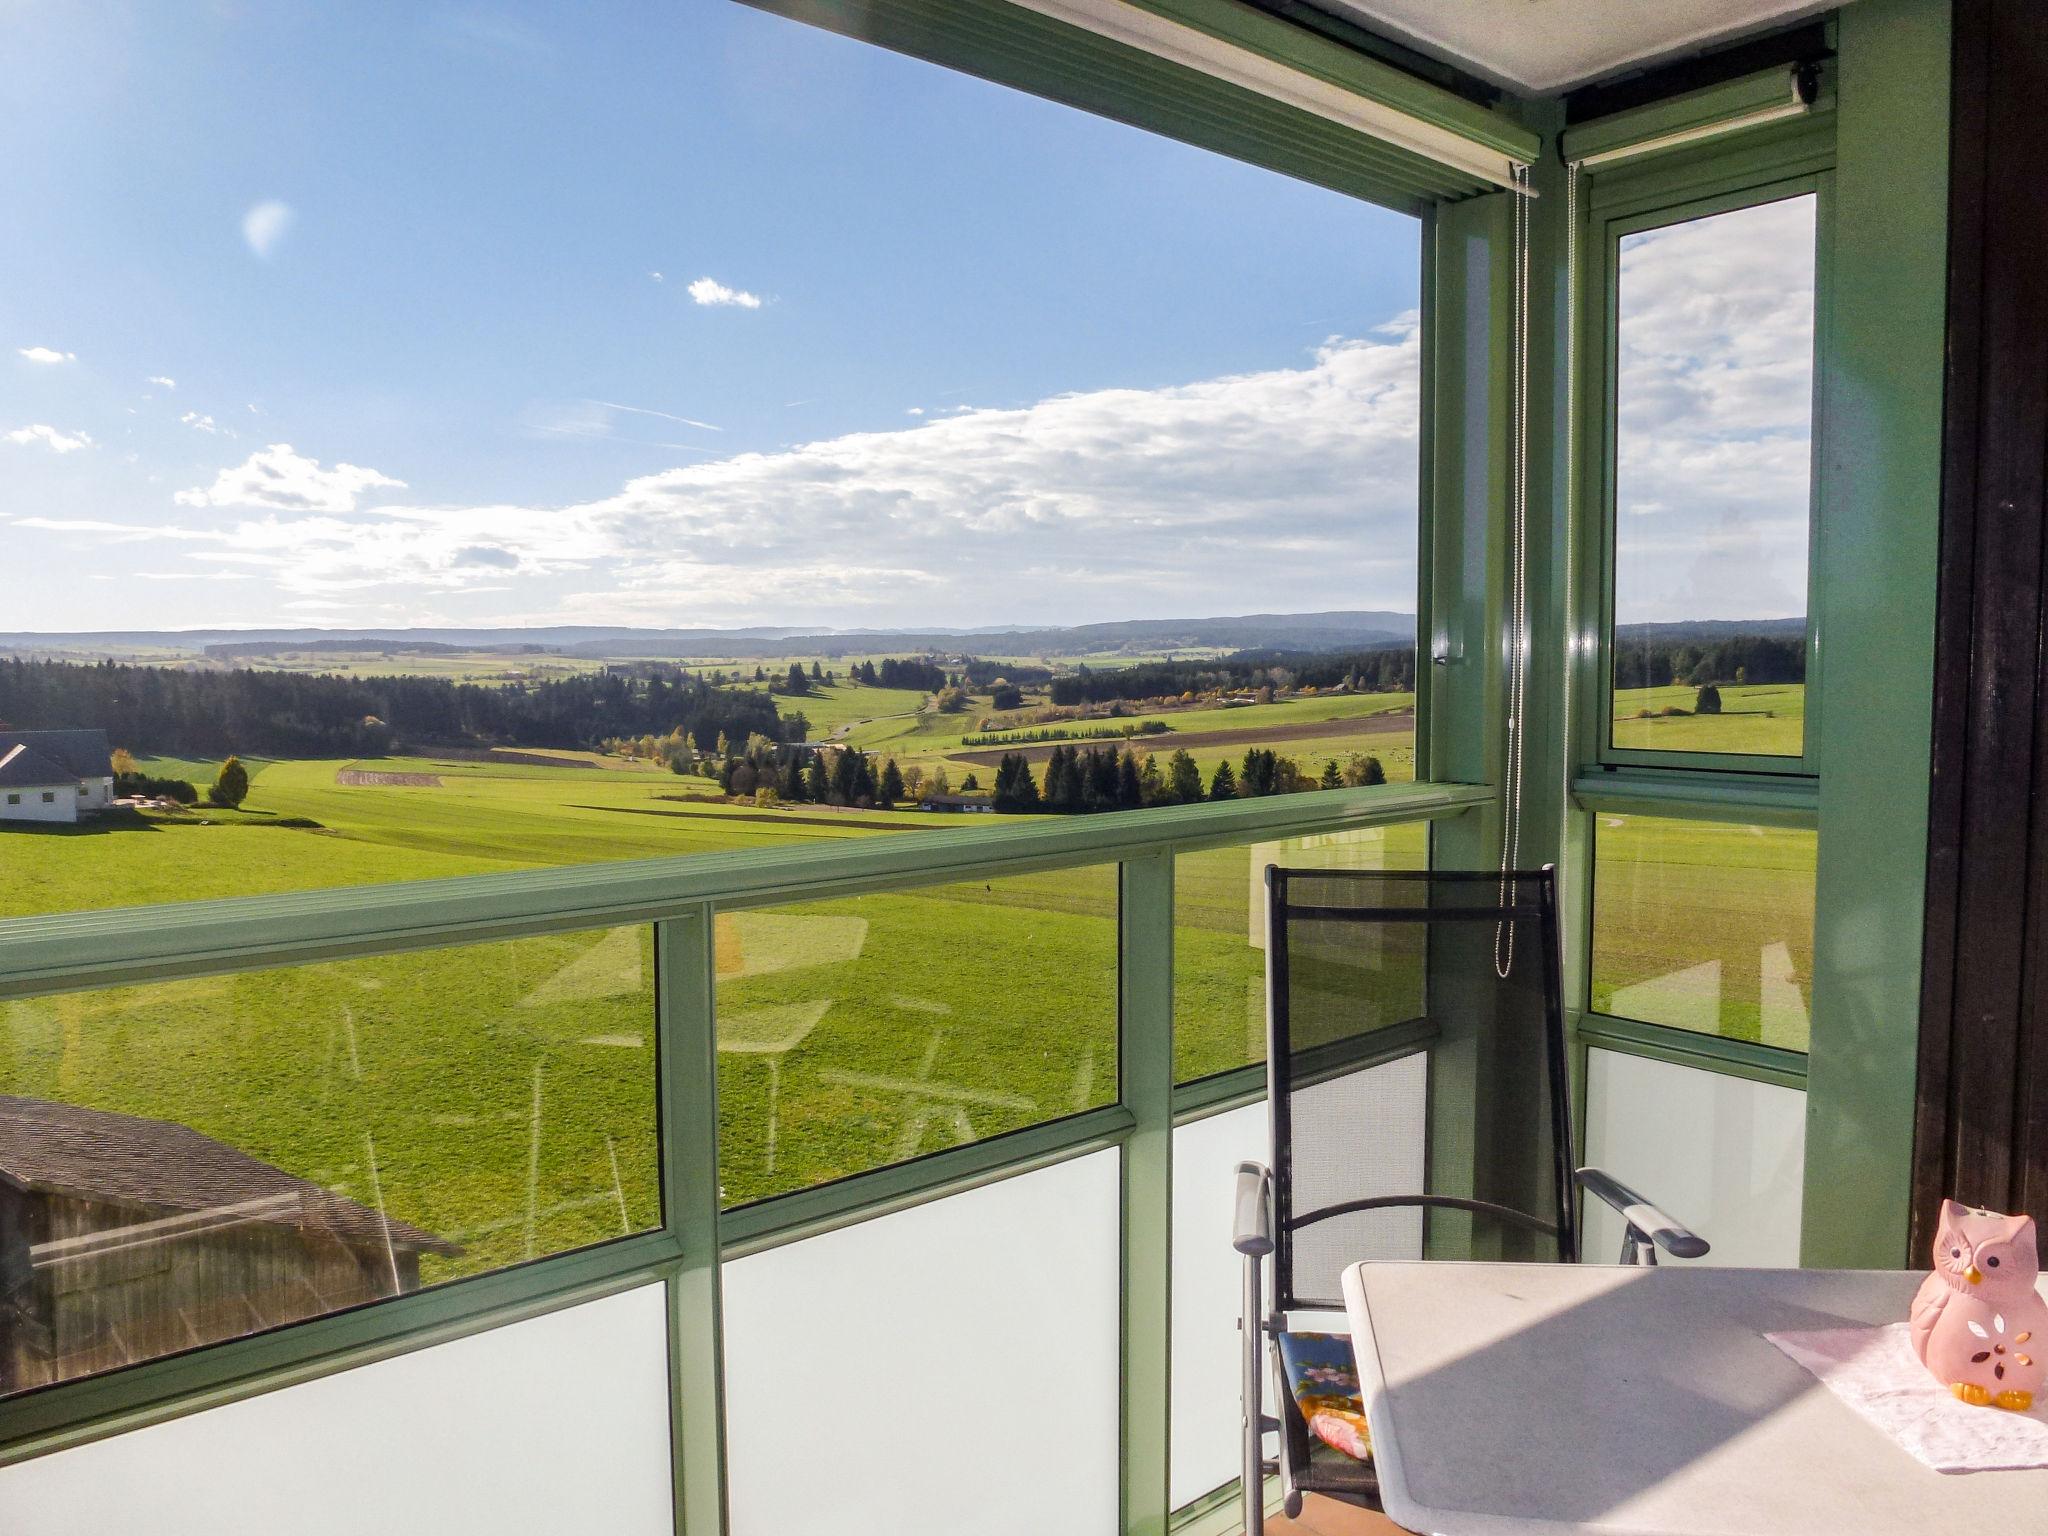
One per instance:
(901, 672)
(1380, 671)
(1083, 781)
(773, 772)
(297, 714)
(1651, 663)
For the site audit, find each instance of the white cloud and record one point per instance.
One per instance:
(161, 382)
(1291, 488)
(1714, 405)
(198, 422)
(121, 532)
(656, 276)
(47, 355)
(50, 438)
(708, 290)
(280, 478)
(265, 224)
(915, 410)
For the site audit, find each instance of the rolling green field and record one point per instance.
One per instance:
(501, 1095)
(1764, 718)
(1705, 926)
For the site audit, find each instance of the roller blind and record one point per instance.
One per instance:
(1216, 74)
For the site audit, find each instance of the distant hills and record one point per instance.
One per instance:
(1331, 630)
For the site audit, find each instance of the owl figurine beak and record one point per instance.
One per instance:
(1974, 1275)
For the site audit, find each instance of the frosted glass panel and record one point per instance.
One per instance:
(553, 1425)
(1208, 1278)
(948, 1368)
(1724, 1155)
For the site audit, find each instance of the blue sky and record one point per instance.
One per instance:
(419, 244)
(686, 314)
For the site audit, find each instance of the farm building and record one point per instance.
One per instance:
(123, 1238)
(954, 803)
(54, 775)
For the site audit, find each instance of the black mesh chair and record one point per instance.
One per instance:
(1420, 1106)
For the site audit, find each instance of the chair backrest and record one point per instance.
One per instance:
(1418, 1092)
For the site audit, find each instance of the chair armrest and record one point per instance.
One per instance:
(1665, 1231)
(1254, 1225)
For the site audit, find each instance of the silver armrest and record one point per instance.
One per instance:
(1646, 1223)
(1254, 1225)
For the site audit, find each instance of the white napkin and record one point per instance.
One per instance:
(1875, 1371)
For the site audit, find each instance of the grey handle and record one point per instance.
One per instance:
(1253, 1228)
(1646, 1223)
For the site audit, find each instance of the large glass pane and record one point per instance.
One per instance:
(948, 1368)
(868, 1031)
(187, 1161)
(546, 438)
(556, 1424)
(1726, 1156)
(1219, 935)
(1713, 419)
(1705, 925)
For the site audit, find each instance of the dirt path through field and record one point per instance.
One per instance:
(1387, 724)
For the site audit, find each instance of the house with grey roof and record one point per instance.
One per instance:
(54, 775)
(123, 1238)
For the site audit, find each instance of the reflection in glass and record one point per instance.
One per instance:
(1705, 926)
(188, 1161)
(1713, 426)
(1219, 935)
(857, 1033)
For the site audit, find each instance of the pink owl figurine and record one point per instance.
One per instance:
(1978, 1323)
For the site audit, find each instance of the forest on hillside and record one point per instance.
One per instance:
(159, 711)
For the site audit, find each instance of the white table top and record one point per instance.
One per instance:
(1522, 1399)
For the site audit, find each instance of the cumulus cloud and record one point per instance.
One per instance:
(50, 438)
(198, 422)
(1288, 488)
(264, 225)
(161, 382)
(708, 290)
(1714, 410)
(280, 478)
(47, 355)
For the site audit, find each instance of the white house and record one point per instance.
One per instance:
(54, 775)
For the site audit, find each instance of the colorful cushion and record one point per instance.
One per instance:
(1322, 1377)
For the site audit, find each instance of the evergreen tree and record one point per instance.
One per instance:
(1130, 794)
(1331, 778)
(1152, 783)
(844, 777)
(792, 785)
(970, 784)
(816, 675)
(1183, 778)
(1707, 701)
(1223, 784)
(796, 682)
(863, 779)
(817, 785)
(1015, 790)
(1374, 773)
(890, 789)
(231, 787)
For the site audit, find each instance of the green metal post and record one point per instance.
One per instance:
(1877, 560)
(1145, 1069)
(687, 1036)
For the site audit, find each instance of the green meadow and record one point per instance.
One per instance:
(1764, 718)
(502, 1095)
(1705, 926)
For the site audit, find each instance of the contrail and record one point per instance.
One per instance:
(641, 410)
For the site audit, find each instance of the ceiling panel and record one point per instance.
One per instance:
(1549, 45)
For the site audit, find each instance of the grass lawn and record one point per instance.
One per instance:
(1765, 718)
(1705, 925)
